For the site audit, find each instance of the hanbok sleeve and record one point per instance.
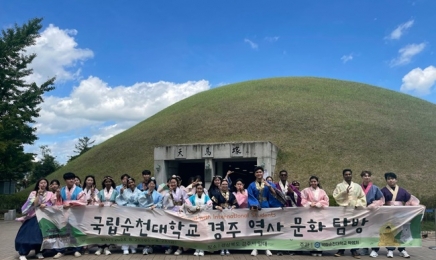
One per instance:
(252, 198)
(379, 200)
(121, 199)
(28, 205)
(340, 196)
(145, 200)
(323, 200)
(414, 201)
(361, 198)
(158, 201)
(305, 198)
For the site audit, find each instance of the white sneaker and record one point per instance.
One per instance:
(58, 255)
(223, 252)
(404, 254)
(319, 254)
(390, 254)
(133, 251)
(39, 256)
(254, 252)
(178, 252)
(169, 251)
(314, 254)
(106, 251)
(125, 252)
(22, 257)
(200, 253)
(77, 254)
(99, 250)
(373, 254)
(196, 252)
(268, 253)
(227, 252)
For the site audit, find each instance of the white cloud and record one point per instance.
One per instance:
(57, 55)
(346, 58)
(272, 39)
(406, 54)
(93, 102)
(400, 30)
(252, 44)
(419, 81)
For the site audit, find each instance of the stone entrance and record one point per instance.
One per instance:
(209, 159)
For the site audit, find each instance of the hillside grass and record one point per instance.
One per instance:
(321, 126)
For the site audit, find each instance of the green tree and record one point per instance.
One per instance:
(19, 100)
(45, 166)
(84, 145)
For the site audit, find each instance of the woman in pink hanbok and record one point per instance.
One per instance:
(241, 194)
(29, 236)
(314, 197)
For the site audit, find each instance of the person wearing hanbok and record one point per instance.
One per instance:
(396, 196)
(29, 236)
(173, 201)
(55, 188)
(72, 196)
(214, 188)
(374, 200)
(262, 194)
(198, 202)
(314, 197)
(223, 201)
(128, 198)
(146, 175)
(190, 189)
(241, 194)
(150, 199)
(106, 198)
(124, 179)
(293, 195)
(90, 190)
(163, 188)
(349, 194)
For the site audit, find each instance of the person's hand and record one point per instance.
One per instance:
(349, 188)
(313, 204)
(58, 192)
(219, 208)
(229, 172)
(153, 207)
(266, 183)
(42, 206)
(233, 207)
(101, 204)
(122, 190)
(67, 205)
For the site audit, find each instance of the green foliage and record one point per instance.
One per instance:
(320, 126)
(15, 201)
(45, 166)
(19, 100)
(84, 145)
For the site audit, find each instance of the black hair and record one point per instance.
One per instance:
(108, 178)
(198, 177)
(212, 184)
(125, 175)
(69, 176)
(93, 180)
(346, 170)
(37, 184)
(269, 177)
(146, 172)
(131, 179)
(57, 182)
(316, 178)
(363, 173)
(155, 183)
(283, 171)
(191, 179)
(258, 168)
(390, 175)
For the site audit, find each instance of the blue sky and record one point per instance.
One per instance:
(119, 62)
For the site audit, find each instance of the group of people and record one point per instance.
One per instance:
(220, 195)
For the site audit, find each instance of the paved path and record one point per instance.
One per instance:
(8, 231)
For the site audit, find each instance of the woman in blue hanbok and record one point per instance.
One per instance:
(197, 202)
(106, 198)
(129, 198)
(150, 199)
